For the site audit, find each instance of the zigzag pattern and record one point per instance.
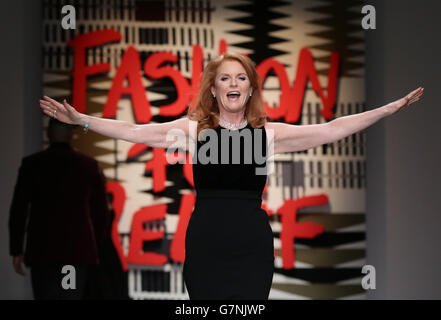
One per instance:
(258, 18)
(341, 20)
(59, 82)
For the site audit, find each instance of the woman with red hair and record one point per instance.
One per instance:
(229, 242)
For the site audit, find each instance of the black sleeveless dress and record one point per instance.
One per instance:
(229, 252)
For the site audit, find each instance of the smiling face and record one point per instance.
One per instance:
(231, 86)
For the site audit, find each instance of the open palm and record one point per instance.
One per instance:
(63, 112)
(407, 100)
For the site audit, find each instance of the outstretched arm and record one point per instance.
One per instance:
(153, 134)
(290, 138)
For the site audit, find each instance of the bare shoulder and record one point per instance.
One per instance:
(271, 125)
(275, 125)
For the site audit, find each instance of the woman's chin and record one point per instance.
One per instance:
(234, 106)
(234, 109)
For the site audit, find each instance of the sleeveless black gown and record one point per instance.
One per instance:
(229, 252)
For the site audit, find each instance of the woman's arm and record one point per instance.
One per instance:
(153, 134)
(290, 138)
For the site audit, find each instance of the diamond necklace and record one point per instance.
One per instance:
(232, 126)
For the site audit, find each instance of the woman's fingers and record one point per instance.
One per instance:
(48, 112)
(45, 103)
(67, 106)
(414, 100)
(49, 104)
(417, 93)
(410, 98)
(415, 96)
(412, 94)
(48, 108)
(52, 101)
(53, 105)
(63, 108)
(61, 111)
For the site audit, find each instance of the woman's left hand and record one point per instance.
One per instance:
(407, 100)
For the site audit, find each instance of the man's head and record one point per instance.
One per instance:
(58, 131)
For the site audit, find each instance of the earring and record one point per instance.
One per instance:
(214, 96)
(251, 94)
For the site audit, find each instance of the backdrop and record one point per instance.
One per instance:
(140, 61)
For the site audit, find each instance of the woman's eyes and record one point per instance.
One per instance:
(241, 78)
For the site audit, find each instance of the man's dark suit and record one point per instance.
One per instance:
(63, 193)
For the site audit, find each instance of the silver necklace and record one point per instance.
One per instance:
(232, 126)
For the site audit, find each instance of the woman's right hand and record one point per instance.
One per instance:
(64, 111)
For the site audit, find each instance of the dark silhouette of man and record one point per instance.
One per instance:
(60, 205)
